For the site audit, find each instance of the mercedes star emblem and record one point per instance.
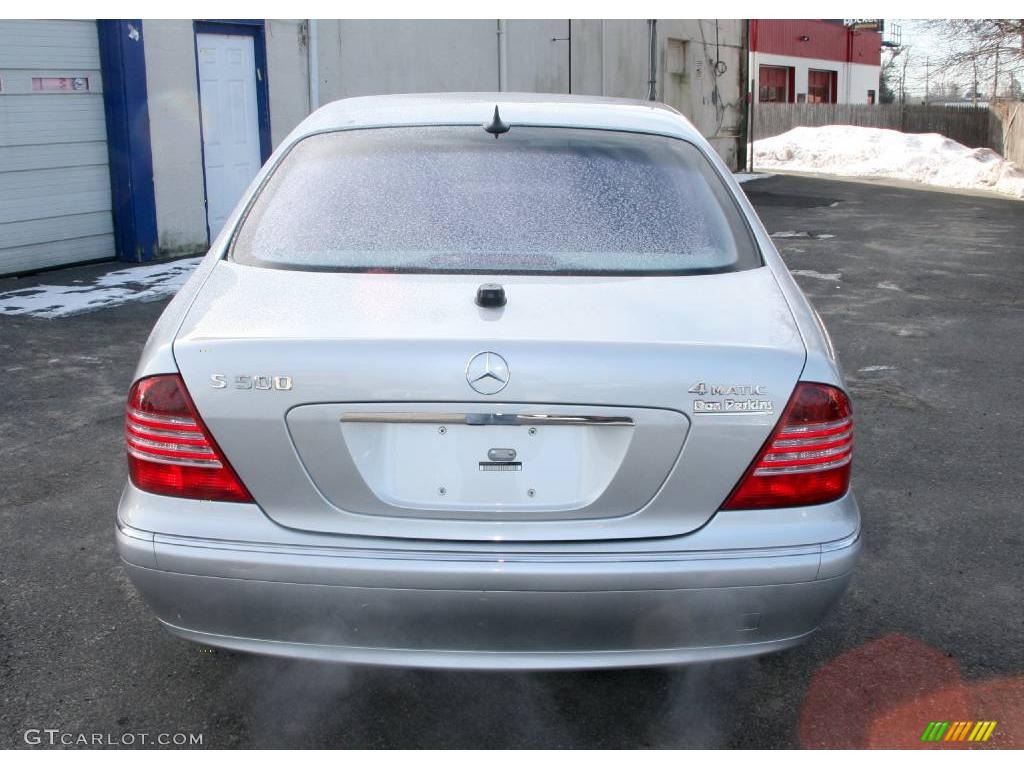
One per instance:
(487, 373)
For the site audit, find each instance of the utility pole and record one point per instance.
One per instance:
(903, 79)
(652, 82)
(927, 72)
(995, 79)
(974, 89)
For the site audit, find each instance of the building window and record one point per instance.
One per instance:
(775, 84)
(871, 97)
(821, 86)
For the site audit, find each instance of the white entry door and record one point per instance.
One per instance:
(231, 132)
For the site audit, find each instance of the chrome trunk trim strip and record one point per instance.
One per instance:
(484, 419)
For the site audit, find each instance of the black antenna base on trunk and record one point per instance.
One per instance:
(497, 126)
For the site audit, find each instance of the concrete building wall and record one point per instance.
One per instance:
(611, 58)
(175, 136)
(711, 95)
(607, 58)
(362, 57)
(614, 57)
(537, 55)
(287, 75)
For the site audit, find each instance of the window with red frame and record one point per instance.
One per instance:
(821, 86)
(774, 84)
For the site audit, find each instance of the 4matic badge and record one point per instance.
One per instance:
(730, 398)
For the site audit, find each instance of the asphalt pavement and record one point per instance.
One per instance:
(923, 292)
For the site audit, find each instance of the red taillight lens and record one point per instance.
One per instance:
(807, 458)
(170, 451)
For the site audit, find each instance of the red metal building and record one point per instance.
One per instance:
(815, 61)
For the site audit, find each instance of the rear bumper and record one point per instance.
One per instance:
(513, 629)
(551, 608)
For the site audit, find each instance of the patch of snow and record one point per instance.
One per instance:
(144, 283)
(743, 178)
(786, 233)
(927, 158)
(873, 368)
(833, 276)
(889, 286)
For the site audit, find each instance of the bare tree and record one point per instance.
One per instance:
(981, 38)
(903, 75)
(986, 51)
(893, 76)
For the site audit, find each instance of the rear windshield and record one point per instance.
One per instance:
(535, 200)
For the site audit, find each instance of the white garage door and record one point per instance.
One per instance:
(54, 176)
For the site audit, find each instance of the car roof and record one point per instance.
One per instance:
(562, 110)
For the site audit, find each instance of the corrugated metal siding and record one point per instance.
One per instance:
(54, 175)
(49, 45)
(833, 42)
(866, 48)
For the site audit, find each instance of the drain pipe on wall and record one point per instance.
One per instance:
(502, 55)
(313, 50)
(652, 25)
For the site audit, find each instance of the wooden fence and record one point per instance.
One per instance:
(967, 124)
(1008, 131)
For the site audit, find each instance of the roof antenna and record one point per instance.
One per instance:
(497, 126)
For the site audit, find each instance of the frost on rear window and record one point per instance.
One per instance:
(455, 199)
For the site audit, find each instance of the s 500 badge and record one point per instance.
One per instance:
(258, 381)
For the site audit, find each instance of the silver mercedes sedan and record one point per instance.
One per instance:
(491, 381)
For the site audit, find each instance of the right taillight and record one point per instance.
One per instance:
(807, 458)
(170, 450)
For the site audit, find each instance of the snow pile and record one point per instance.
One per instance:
(143, 283)
(743, 178)
(927, 158)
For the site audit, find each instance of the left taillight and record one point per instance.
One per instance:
(170, 450)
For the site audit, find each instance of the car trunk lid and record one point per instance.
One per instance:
(631, 405)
